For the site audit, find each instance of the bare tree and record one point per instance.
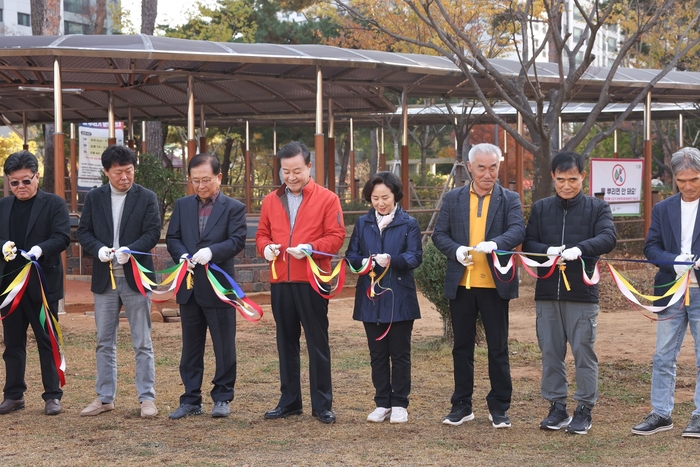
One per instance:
(573, 56)
(100, 16)
(154, 131)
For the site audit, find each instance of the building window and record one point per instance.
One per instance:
(70, 27)
(76, 6)
(24, 19)
(577, 34)
(1, 20)
(612, 44)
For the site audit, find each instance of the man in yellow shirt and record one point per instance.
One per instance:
(473, 221)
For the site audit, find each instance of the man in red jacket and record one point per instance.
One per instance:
(300, 215)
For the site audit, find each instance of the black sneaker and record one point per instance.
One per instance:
(654, 423)
(459, 414)
(499, 419)
(581, 422)
(557, 419)
(693, 428)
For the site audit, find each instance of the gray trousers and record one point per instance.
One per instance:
(138, 313)
(559, 322)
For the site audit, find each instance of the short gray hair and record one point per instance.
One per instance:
(484, 148)
(685, 159)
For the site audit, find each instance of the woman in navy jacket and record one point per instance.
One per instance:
(394, 237)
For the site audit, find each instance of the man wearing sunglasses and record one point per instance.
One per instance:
(34, 225)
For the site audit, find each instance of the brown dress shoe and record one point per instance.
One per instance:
(10, 405)
(53, 407)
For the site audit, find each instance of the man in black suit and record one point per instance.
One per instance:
(117, 217)
(37, 222)
(211, 227)
(473, 221)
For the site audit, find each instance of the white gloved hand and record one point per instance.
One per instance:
(9, 251)
(105, 254)
(298, 252)
(203, 256)
(383, 259)
(271, 251)
(571, 254)
(682, 268)
(122, 257)
(697, 264)
(463, 256)
(555, 250)
(486, 247)
(33, 251)
(190, 264)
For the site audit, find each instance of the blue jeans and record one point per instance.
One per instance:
(670, 331)
(138, 313)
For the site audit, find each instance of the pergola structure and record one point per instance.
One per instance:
(74, 78)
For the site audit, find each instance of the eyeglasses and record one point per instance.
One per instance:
(204, 181)
(25, 182)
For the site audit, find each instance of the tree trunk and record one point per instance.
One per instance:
(100, 16)
(149, 11)
(46, 17)
(344, 159)
(154, 140)
(374, 157)
(226, 164)
(49, 150)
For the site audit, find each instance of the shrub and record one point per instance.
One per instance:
(430, 278)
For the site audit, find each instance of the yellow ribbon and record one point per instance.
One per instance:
(468, 285)
(651, 298)
(111, 276)
(274, 271)
(372, 275)
(321, 274)
(562, 268)
(19, 278)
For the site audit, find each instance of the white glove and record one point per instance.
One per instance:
(271, 251)
(203, 256)
(298, 252)
(190, 264)
(383, 259)
(682, 268)
(33, 251)
(486, 247)
(122, 257)
(555, 250)
(9, 251)
(463, 256)
(105, 254)
(571, 254)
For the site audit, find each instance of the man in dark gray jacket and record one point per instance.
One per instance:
(117, 217)
(572, 225)
(473, 221)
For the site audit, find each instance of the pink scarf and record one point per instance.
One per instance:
(384, 220)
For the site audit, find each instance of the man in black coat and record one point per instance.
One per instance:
(119, 216)
(37, 222)
(573, 225)
(206, 227)
(473, 221)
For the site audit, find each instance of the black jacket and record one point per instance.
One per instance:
(584, 222)
(49, 228)
(224, 235)
(504, 225)
(139, 230)
(402, 240)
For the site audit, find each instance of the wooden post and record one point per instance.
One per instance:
(519, 165)
(318, 137)
(248, 170)
(73, 170)
(406, 200)
(646, 181)
(112, 139)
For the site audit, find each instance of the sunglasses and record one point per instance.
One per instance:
(25, 182)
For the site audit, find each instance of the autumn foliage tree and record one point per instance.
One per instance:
(458, 30)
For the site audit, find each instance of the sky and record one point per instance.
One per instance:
(171, 12)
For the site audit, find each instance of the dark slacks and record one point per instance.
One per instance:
(296, 304)
(221, 322)
(15, 356)
(494, 314)
(391, 362)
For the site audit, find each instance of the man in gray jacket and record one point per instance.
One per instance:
(473, 221)
(573, 225)
(117, 217)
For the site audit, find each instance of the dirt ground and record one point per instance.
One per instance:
(625, 345)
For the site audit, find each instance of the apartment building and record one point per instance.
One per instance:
(77, 17)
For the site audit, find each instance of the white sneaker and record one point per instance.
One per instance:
(398, 415)
(379, 415)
